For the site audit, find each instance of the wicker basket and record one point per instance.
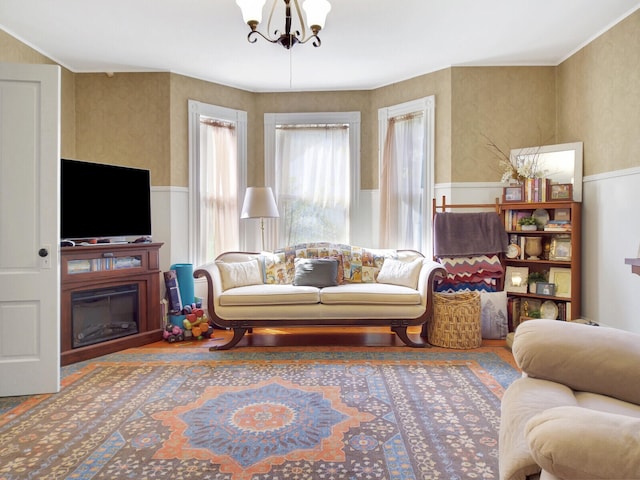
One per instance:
(456, 320)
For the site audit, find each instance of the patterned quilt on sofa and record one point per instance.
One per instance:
(356, 264)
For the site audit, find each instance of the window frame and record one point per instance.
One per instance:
(239, 117)
(271, 120)
(426, 105)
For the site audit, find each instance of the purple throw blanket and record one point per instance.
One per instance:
(467, 234)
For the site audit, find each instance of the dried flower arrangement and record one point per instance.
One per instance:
(519, 168)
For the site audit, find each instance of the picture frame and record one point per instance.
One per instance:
(561, 277)
(561, 191)
(515, 279)
(560, 249)
(563, 214)
(513, 193)
(544, 288)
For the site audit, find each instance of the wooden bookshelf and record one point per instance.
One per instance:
(560, 256)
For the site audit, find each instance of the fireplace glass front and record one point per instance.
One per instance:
(104, 314)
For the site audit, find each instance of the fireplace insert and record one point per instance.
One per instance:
(103, 314)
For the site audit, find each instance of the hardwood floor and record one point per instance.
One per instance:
(322, 336)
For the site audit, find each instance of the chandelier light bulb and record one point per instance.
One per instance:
(251, 11)
(317, 11)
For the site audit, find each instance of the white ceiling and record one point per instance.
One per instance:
(365, 43)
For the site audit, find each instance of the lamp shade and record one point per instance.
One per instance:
(251, 9)
(259, 203)
(316, 11)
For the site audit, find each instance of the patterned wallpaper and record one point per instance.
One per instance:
(513, 106)
(124, 120)
(140, 119)
(599, 99)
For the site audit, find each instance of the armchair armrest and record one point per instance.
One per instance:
(582, 357)
(577, 443)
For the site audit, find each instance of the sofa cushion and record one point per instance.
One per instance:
(239, 274)
(605, 403)
(370, 294)
(583, 357)
(316, 272)
(270, 295)
(397, 272)
(574, 442)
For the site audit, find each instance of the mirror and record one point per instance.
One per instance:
(561, 163)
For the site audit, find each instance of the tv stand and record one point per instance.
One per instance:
(102, 269)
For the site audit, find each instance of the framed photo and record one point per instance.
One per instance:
(545, 288)
(563, 214)
(560, 248)
(515, 279)
(561, 191)
(513, 193)
(561, 277)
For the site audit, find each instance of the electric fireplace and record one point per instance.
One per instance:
(104, 314)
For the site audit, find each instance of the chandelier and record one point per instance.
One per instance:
(316, 12)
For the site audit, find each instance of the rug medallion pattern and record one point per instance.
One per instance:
(282, 416)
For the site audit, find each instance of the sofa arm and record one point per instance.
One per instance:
(582, 357)
(428, 274)
(578, 443)
(211, 274)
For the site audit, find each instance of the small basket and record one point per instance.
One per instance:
(456, 320)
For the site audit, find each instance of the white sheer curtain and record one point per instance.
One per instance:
(218, 183)
(312, 167)
(402, 180)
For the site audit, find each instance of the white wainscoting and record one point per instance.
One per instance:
(611, 233)
(170, 224)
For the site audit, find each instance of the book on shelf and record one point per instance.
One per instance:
(513, 312)
(558, 226)
(536, 189)
(511, 218)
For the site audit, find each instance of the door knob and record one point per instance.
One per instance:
(43, 252)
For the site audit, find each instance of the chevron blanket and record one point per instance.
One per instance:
(478, 273)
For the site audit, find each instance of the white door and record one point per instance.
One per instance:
(29, 232)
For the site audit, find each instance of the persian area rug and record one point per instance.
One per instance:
(264, 413)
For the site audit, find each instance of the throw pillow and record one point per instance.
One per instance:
(493, 315)
(239, 274)
(316, 272)
(340, 274)
(365, 264)
(397, 272)
(274, 267)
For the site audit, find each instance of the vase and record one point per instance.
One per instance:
(533, 247)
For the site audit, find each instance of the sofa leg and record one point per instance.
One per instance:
(238, 333)
(402, 333)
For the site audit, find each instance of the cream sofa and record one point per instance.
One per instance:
(320, 284)
(575, 413)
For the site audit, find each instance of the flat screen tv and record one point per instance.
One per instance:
(103, 201)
